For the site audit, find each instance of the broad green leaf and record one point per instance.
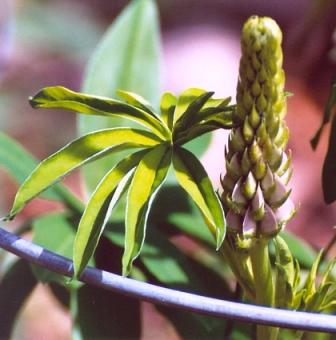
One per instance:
(99, 209)
(56, 233)
(147, 180)
(300, 250)
(331, 102)
(56, 28)
(329, 167)
(15, 287)
(194, 179)
(127, 58)
(167, 108)
(75, 154)
(63, 98)
(20, 163)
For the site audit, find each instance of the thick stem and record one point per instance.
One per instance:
(264, 288)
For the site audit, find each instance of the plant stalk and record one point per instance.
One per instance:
(264, 288)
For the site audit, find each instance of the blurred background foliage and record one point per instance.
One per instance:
(49, 42)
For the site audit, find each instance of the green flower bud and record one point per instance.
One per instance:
(255, 194)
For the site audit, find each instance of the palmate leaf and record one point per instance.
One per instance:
(99, 208)
(63, 98)
(194, 179)
(75, 154)
(147, 180)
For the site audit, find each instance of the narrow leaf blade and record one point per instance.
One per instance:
(167, 108)
(98, 210)
(147, 180)
(63, 98)
(75, 154)
(193, 178)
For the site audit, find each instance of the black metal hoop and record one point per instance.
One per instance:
(159, 295)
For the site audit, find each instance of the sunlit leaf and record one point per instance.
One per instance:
(15, 287)
(167, 108)
(147, 180)
(190, 112)
(99, 209)
(75, 154)
(127, 58)
(63, 98)
(184, 100)
(137, 101)
(200, 129)
(194, 179)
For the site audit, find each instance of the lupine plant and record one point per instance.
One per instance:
(246, 218)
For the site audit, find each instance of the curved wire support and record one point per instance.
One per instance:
(168, 297)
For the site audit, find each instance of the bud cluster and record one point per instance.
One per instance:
(255, 194)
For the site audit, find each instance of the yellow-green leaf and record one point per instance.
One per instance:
(99, 209)
(184, 100)
(167, 107)
(61, 97)
(147, 180)
(191, 112)
(137, 101)
(193, 178)
(75, 154)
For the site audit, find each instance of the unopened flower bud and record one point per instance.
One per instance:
(257, 200)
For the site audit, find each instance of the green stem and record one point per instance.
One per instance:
(240, 269)
(262, 272)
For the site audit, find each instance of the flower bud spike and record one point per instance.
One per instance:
(259, 202)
